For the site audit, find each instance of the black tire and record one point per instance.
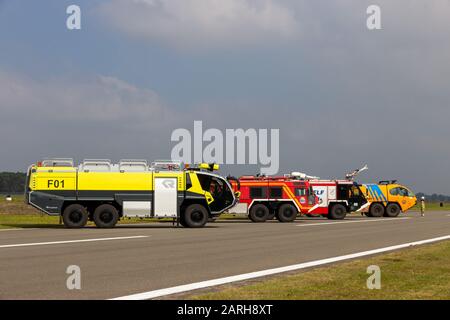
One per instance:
(259, 213)
(105, 216)
(337, 212)
(376, 210)
(75, 216)
(392, 210)
(287, 213)
(195, 216)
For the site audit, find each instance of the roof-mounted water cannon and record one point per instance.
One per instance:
(209, 166)
(203, 166)
(350, 176)
(303, 176)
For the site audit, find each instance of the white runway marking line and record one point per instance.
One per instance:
(17, 229)
(268, 272)
(353, 221)
(67, 241)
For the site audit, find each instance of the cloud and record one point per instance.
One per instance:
(96, 99)
(341, 95)
(307, 27)
(200, 24)
(106, 117)
(89, 117)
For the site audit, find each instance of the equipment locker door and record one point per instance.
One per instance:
(165, 197)
(322, 193)
(331, 193)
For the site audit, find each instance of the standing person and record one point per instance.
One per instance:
(422, 206)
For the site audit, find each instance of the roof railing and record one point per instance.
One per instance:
(133, 165)
(95, 165)
(387, 181)
(57, 162)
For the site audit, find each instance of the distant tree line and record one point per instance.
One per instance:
(12, 182)
(433, 197)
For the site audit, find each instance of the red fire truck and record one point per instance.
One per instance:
(263, 198)
(337, 198)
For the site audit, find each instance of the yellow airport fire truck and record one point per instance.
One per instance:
(103, 192)
(387, 198)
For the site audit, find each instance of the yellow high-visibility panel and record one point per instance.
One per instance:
(53, 179)
(120, 181)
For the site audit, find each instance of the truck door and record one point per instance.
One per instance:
(302, 195)
(165, 197)
(356, 198)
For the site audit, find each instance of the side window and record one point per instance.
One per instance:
(276, 193)
(205, 181)
(343, 191)
(258, 193)
(300, 192)
(394, 191)
(188, 181)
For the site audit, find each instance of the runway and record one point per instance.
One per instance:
(133, 259)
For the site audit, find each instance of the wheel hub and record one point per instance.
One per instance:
(260, 213)
(76, 216)
(197, 216)
(288, 213)
(106, 216)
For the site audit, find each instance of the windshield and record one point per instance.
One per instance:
(216, 188)
(410, 193)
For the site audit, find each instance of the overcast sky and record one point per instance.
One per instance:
(341, 95)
